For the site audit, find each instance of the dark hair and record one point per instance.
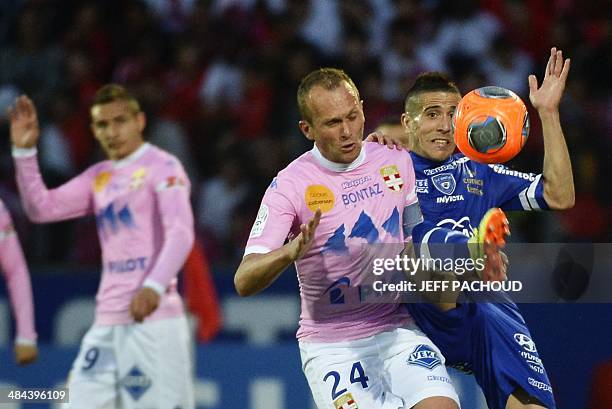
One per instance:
(429, 82)
(328, 78)
(113, 92)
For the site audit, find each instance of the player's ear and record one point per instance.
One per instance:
(306, 129)
(406, 120)
(142, 120)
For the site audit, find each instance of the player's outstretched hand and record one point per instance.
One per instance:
(144, 303)
(548, 96)
(384, 139)
(302, 242)
(25, 354)
(24, 123)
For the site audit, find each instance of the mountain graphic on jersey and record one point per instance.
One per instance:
(336, 243)
(110, 221)
(365, 228)
(392, 224)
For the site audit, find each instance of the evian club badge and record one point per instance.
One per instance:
(392, 178)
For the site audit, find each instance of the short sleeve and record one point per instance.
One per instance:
(274, 219)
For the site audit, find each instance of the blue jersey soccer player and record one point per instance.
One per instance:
(490, 339)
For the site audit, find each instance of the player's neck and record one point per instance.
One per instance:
(335, 166)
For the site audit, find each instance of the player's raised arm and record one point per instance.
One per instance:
(41, 204)
(557, 169)
(24, 123)
(257, 271)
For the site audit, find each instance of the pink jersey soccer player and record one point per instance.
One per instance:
(137, 352)
(337, 203)
(15, 270)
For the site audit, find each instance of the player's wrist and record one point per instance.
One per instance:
(23, 341)
(551, 113)
(22, 151)
(291, 251)
(155, 286)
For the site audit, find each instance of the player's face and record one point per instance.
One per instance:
(118, 128)
(337, 122)
(430, 125)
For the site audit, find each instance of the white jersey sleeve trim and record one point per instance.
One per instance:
(531, 193)
(4, 234)
(23, 152)
(154, 285)
(523, 199)
(24, 341)
(256, 250)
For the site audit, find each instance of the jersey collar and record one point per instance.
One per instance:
(339, 167)
(132, 157)
(424, 162)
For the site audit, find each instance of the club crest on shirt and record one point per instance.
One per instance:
(137, 178)
(101, 181)
(444, 182)
(392, 178)
(319, 197)
(345, 401)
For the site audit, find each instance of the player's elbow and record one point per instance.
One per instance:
(560, 200)
(563, 203)
(568, 203)
(183, 236)
(36, 215)
(244, 281)
(242, 286)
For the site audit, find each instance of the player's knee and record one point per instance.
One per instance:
(436, 402)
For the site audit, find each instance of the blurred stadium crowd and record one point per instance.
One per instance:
(217, 79)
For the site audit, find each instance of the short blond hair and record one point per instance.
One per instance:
(328, 78)
(114, 92)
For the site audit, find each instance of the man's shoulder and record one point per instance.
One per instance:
(98, 167)
(299, 168)
(375, 150)
(158, 153)
(162, 162)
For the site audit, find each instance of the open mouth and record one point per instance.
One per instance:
(439, 142)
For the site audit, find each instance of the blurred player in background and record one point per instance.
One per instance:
(15, 269)
(137, 352)
(489, 339)
(354, 353)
